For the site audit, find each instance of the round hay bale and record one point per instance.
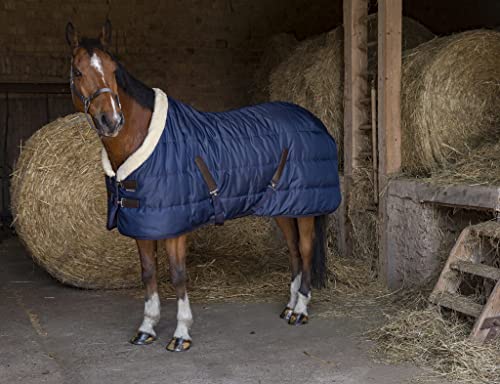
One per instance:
(313, 75)
(450, 98)
(302, 79)
(59, 202)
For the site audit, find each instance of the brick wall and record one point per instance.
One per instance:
(201, 51)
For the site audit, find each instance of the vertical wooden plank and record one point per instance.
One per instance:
(27, 114)
(355, 90)
(4, 171)
(389, 116)
(373, 95)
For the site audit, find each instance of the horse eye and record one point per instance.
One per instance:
(76, 73)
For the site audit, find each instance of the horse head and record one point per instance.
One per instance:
(93, 81)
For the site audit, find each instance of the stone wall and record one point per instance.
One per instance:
(424, 222)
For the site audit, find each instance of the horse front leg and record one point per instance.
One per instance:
(177, 250)
(147, 253)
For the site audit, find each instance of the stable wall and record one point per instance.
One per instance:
(203, 52)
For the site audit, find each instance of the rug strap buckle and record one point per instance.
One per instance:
(219, 214)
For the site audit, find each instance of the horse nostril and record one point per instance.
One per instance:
(104, 120)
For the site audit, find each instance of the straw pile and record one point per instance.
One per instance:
(431, 339)
(450, 99)
(313, 74)
(480, 166)
(59, 203)
(247, 275)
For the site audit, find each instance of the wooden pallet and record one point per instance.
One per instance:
(469, 258)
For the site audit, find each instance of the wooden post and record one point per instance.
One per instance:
(356, 100)
(389, 116)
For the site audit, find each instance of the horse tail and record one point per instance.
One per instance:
(318, 267)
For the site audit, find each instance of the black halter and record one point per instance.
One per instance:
(88, 100)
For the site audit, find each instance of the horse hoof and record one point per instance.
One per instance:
(298, 319)
(178, 344)
(142, 338)
(287, 313)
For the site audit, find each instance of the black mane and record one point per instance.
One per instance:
(140, 92)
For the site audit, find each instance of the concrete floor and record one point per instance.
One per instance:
(50, 333)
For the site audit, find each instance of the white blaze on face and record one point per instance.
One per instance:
(96, 63)
(184, 319)
(294, 289)
(151, 314)
(301, 306)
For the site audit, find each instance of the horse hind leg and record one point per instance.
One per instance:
(177, 250)
(146, 333)
(306, 249)
(289, 228)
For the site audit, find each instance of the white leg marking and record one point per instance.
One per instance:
(151, 315)
(294, 289)
(184, 319)
(301, 306)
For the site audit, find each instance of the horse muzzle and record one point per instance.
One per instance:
(109, 125)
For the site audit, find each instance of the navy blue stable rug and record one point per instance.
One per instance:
(196, 168)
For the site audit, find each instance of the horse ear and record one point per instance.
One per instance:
(105, 36)
(71, 35)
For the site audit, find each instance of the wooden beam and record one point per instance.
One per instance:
(477, 197)
(389, 114)
(355, 96)
(389, 85)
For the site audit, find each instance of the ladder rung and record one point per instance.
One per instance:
(365, 127)
(372, 43)
(365, 100)
(457, 303)
(487, 229)
(477, 269)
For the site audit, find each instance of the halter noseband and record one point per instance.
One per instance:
(88, 100)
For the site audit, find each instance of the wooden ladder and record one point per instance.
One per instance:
(468, 257)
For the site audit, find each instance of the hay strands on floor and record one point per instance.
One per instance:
(423, 336)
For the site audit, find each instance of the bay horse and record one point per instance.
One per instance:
(170, 169)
